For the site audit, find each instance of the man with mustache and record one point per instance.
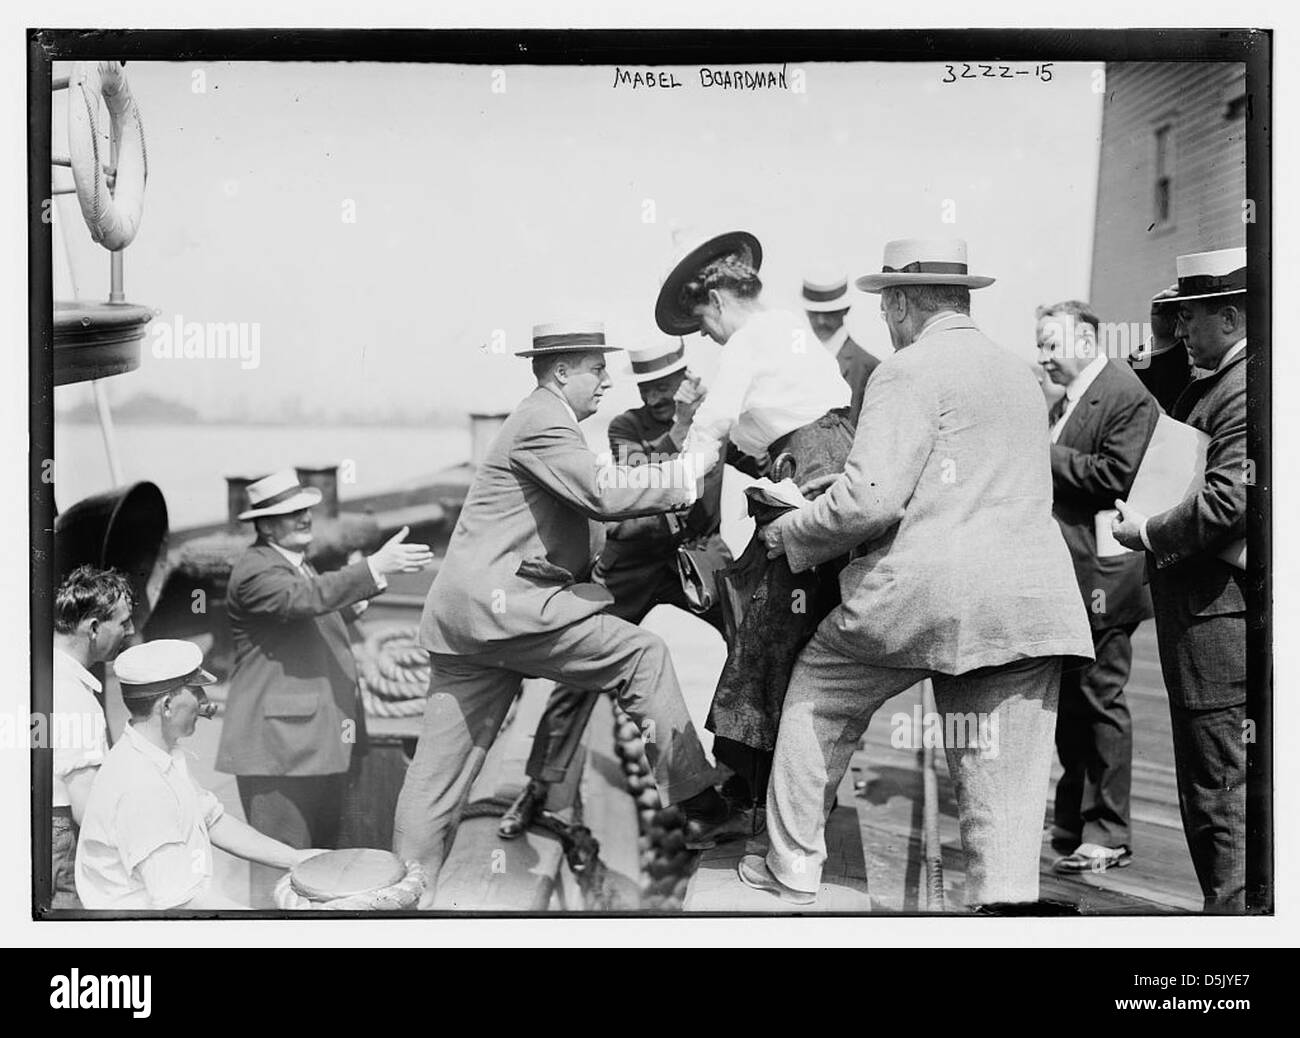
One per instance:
(149, 827)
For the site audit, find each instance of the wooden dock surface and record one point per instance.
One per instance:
(880, 871)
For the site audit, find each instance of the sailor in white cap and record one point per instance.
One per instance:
(961, 576)
(514, 599)
(146, 841)
(640, 561)
(826, 302)
(294, 719)
(1196, 563)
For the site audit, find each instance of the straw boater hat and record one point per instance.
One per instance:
(279, 494)
(826, 293)
(923, 261)
(655, 362)
(152, 668)
(692, 254)
(1205, 274)
(568, 337)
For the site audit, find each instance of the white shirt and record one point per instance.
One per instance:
(297, 558)
(1075, 390)
(78, 731)
(834, 343)
(770, 381)
(144, 841)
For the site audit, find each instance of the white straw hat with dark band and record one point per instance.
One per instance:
(826, 294)
(655, 362)
(923, 261)
(568, 337)
(279, 494)
(1205, 274)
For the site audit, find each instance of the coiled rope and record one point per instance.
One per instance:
(394, 671)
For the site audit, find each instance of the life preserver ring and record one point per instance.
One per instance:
(113, 217)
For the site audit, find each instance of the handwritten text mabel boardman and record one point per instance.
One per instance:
(716, 78)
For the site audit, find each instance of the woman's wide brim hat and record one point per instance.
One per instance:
(1205, 274)
(691, 258)
(568, 337)
(279, 494)
(923, 261)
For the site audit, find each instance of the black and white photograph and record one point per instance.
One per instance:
(661, 475)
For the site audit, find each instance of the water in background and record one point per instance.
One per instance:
(189, 462)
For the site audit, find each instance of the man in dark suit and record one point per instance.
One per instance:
(514, 599)
(1199, 596)
(826, 301)
(1100, 429)
(293, 716)
(639, 561)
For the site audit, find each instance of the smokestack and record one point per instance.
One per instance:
(237, 499)
(324, 478)
(483, 429)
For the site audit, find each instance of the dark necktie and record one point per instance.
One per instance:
(1056, 410)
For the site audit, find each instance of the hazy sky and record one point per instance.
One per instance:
(478, 211)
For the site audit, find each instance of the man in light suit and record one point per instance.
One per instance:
(293, 717)
(514, 599)
(961, 576)
(1100, 429)
(638, 563)
(1199, 598)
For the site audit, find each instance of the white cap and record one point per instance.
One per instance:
(151, 668)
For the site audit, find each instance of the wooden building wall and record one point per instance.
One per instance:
(1202, 104)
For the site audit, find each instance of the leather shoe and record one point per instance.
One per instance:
(704, 833)
(753, 872)
(520, 815)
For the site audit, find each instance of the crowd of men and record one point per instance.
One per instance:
(977, 532)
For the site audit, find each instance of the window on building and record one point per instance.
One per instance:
(1234, 96)
(1164, 174)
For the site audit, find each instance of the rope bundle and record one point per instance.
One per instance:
(665, 862)
(394, 671)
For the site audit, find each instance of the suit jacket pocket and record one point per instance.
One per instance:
(290, 706)
(538, 568)
(1216, 590)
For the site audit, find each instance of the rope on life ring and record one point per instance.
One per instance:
(402, 894)
(113, 217)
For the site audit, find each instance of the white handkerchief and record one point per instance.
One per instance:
(780, 495)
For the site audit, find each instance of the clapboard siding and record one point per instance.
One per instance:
(1131, 259)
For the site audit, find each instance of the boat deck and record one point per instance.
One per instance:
(876, 863)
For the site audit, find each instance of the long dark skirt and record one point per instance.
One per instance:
(771, 613)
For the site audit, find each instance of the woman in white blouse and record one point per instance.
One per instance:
(780, 400)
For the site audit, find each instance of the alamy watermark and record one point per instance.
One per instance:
(207, 340)
(921, 729)
(1116, 340)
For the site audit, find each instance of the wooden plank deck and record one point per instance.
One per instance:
(882, 789)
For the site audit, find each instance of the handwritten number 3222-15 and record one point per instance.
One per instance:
(951, 75)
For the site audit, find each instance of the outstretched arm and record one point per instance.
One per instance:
(559, 461)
